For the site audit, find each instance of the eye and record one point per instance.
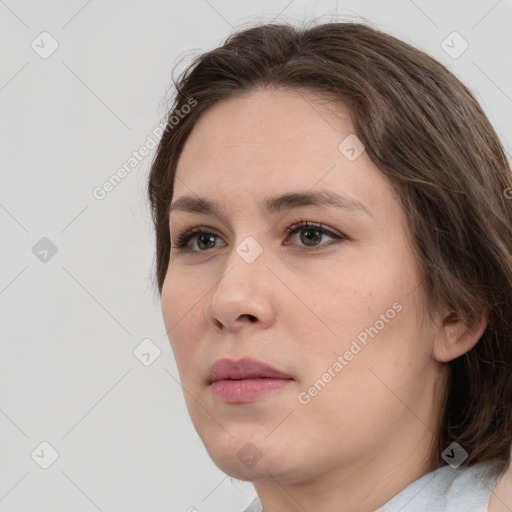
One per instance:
(311, 234)
(206, 238)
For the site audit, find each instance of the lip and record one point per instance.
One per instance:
(244, 380)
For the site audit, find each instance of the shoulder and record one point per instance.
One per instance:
(501, 496)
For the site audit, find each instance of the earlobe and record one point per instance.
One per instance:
(455, 338)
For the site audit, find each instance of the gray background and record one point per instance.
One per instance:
(71, 321)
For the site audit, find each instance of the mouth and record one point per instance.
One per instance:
(246, 390)
(244, 380)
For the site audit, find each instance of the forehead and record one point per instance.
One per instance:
(274, 121)
(270, 142)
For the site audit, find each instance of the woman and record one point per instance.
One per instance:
(334, 257)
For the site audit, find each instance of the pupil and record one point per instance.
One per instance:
(206, 238)
(311, 235)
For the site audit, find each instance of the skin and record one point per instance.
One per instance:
(367, 434)
(501, 497)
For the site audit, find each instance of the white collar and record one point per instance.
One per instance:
(465, 489)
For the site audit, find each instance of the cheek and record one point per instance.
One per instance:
(367, 315)
(181, 305)
(342, 309)
(353, 382)
(182, 292)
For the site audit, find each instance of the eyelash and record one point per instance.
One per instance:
(301, 225)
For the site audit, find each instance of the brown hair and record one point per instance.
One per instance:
(427, 133)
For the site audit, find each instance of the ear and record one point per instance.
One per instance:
(455, 338)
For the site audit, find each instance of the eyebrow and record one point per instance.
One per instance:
(274, 205)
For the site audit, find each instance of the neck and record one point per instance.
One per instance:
(350, 491)
(363, 486)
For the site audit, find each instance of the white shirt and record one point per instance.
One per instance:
(465, 489)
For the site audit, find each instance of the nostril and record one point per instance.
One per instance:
(251, 318)
(217, 325)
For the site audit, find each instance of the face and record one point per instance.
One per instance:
(334, 305)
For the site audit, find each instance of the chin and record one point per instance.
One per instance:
(250, 461)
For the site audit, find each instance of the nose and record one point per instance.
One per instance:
(242, 296)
